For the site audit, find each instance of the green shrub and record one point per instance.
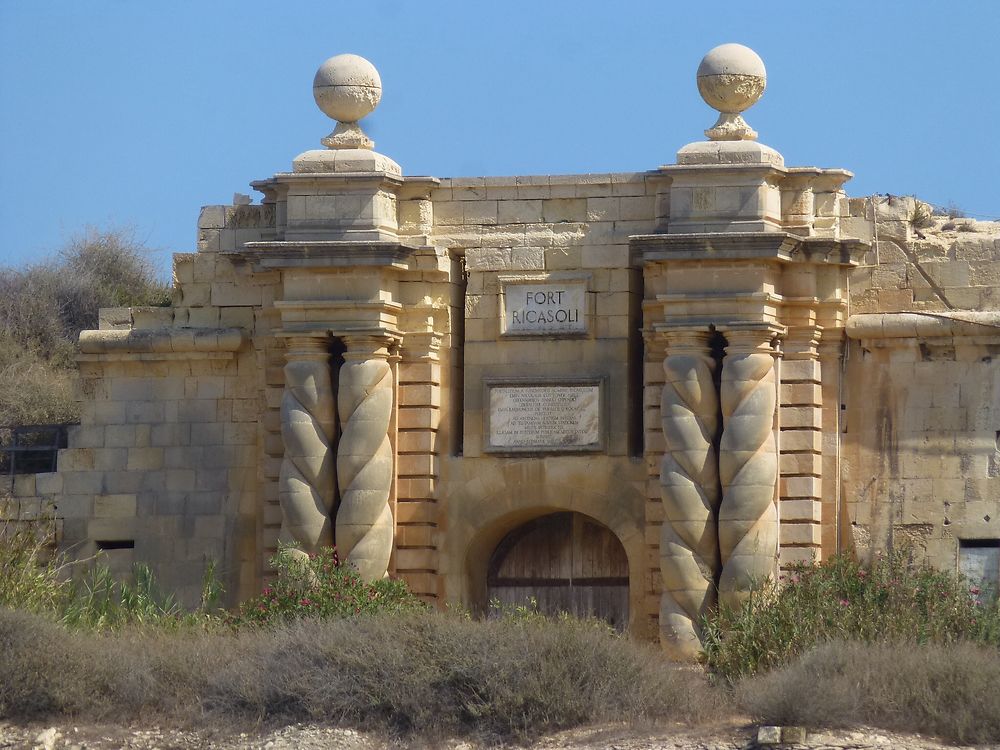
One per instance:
(102, 602)
(318, 586)
(33, 577)
(945, 690)
(30, 574)
(892, 599)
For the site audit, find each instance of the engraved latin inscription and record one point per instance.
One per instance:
(545, 308)
(545, 417)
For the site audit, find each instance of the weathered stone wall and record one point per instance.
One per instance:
(547, 232)
(922, 387)
(180, 444)
(738, 367)
(166, 465)
(921, 261)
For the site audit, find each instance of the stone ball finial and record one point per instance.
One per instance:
(731, 78)
(346, 88)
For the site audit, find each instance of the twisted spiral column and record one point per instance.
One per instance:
(689, 489)
(306, 487)
(365, 457)
(748, 464)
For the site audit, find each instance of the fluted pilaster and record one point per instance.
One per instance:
(689, 490)
(748, 464)
(365, 456)
(306, 486)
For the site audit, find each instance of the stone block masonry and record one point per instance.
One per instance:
(631, 395)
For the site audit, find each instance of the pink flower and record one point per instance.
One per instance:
(266, 591)
(862, 573)
(844, 603)
(974, 590)
(304, 602)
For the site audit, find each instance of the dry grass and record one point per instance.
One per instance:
(946, 690)
(43, 308)
(423, 675)
(33, 390)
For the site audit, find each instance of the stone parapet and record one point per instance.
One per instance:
(913, 325)
(162, 341)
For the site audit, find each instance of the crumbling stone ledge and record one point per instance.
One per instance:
(162, 341)
(923, 324)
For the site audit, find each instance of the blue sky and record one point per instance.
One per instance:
(137, 113)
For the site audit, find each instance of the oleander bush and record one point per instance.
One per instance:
(893, 599)
(319, 586)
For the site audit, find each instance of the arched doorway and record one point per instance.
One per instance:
(568, 563)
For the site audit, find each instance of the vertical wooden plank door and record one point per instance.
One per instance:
(566, 562)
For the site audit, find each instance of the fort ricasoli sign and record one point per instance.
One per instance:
(545, 308)
(699, 374)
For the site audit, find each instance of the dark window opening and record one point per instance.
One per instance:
(110, 544)
(31, 449)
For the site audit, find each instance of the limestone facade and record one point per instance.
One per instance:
(725, 362)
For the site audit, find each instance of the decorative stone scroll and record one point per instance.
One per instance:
(365, 456)
(306, 488)
(544, 417)
(689, 489)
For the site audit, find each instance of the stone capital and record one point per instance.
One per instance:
(752, 339)
(307, 347)
(424, 345)
(686, 340)
(802, 342)
(364, 346)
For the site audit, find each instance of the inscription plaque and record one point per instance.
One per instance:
(545, 417)
(545, 308)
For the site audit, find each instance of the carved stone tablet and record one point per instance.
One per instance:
(545, 308)
(545, 417)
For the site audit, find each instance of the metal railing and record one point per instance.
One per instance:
(31, 449)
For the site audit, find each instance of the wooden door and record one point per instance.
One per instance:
(568, 563)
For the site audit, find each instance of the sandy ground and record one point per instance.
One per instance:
(313, 737)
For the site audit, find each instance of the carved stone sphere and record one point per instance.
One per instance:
(731, 78)
(347, 87)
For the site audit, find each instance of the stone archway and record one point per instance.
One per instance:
(566, 562)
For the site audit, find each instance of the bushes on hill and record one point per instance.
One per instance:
(43, 308)
(33, 390)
